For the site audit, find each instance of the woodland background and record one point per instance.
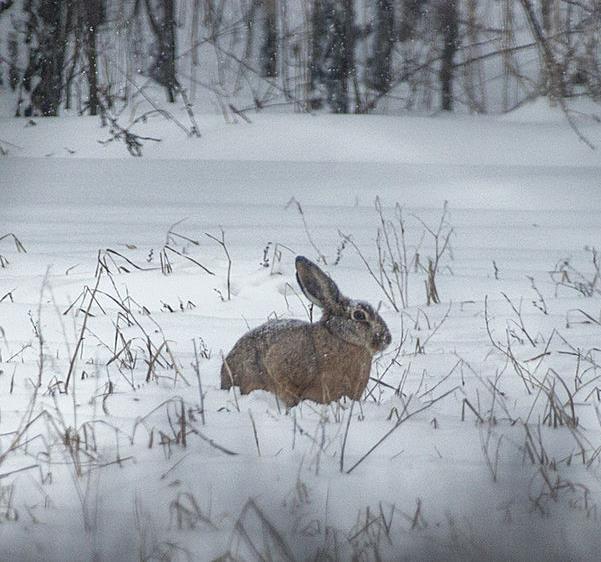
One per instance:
(345, 56)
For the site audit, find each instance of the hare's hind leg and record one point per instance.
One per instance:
(243, 368)
(227, 377)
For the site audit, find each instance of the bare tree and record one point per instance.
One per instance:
(48, 22)
(448, 19)
(14, 74)
(319, 46)
(411, 12)
(93, 16)
(161, 15)
(333, 52)
(551, 67)
(343, 55)
(381, 60)
(269, 47)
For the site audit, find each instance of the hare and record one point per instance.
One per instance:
(320, 361)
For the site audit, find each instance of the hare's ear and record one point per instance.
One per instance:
(316, 285)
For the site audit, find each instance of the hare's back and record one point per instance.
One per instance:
(296, 361)
(244, 365)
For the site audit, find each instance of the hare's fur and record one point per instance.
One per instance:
(297, 360)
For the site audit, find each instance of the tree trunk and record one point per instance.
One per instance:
(552, 69)
(194, 40)
(332, 53)
(318, 50)
(448, 18)
(340, 59)
(75, 24)
(270, 41)
(14, 75)
(162, 23)
(383, 43)
(51, 32)
(348, 48)
(411, 13)
(93, 17)
(546, 9)
(170, 43)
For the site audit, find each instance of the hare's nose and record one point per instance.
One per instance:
(387, 338)
(382, 339)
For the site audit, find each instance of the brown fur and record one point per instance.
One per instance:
(296, 360)
(333, 369)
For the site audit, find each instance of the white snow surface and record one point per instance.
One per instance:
(496, 454)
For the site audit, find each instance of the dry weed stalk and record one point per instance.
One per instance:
(20, 248)
(133, 141)
(255, 536)
(519, 323)
(540, 302)
(108, 257)
(346, 431)
(379, 379)
(276, 258)
(80, 339)
(177, 422)
(18, 245)
(9, 296)
(204, 352)
(404, 417)
(566, 275)
(521, 370)
(221, 242)
(396, 259)
(296, 204)
(441, 237)
(29, 417)
(171, 240)
(368, 533)
(125, 350)
(187, 513)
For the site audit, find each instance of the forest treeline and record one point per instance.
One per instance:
(345, 56)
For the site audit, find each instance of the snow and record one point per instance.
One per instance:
(523, 194)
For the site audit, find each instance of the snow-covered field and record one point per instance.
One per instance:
(478, 437)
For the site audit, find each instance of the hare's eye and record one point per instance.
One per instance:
(359, 315)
